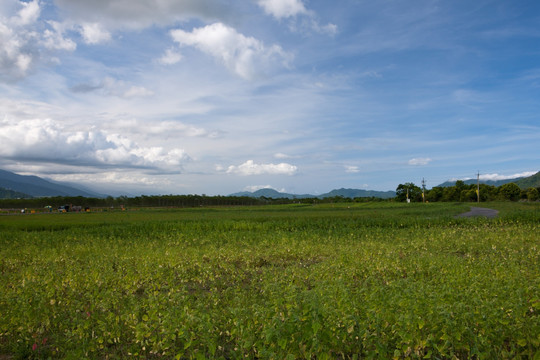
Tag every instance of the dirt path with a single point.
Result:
(477, 211)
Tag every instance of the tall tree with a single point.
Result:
(415, 193)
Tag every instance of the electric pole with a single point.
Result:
(423, 190)
(478, 187)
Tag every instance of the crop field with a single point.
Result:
(334, 281)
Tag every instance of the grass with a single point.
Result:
(370, 280)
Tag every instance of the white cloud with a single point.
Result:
(94, 33)
(15, 54)
(170, 57)
(419, 161)
(330, 29)
(289, 9)
(172, 128)
(25, 41)
(282, 156)
(109, 177)
(504, 177)
(29, 13)
(283, 8)
(44, 140)
(54, 39)
(352, 169)
(250, 168)
(244, 56)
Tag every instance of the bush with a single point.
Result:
(510, 192)
(532, 194)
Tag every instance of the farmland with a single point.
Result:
(367, 280)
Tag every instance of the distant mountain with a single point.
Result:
(38, 187)
(473, 181)
(346, 193)
(271, 193)
(528, 182)
(357, 193)
(11, 194)
(522, 182)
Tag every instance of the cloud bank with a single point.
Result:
(250, 168)
(45, 141)
(495, 177)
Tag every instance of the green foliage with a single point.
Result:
(468, 195)
(533, 194)
(356, 280)
(510, 192)
(413, 191)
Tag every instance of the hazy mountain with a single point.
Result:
(12, 194)
(473, 181)
(271, 193)
(346, 193)
(354, 193)
(522, 182)
(37, 187)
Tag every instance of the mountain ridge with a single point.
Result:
(523, 182)
(346, 193)
(35, 186)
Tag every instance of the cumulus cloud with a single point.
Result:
(45, 140)
(55, 39)
(94, 33)
(16, 37)
(25, 41)
(250, 168)
(419, 161)
(283, 8)
(244, 56)
(170, 57)
(291, 9)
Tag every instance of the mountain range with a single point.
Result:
(22, 186)
(522, 182)
(346, 193)
(25, 186)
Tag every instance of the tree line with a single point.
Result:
(459, 192)
(463, 192)
(165, 201)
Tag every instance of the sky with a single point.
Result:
(302, 96)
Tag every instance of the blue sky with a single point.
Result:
(215, 97)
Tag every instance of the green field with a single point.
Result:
(370, 280)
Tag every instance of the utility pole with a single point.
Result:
(408, 200)
(478, 187)
(423, 190)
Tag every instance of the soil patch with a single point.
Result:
(477, 211)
